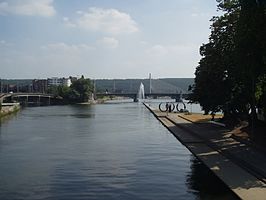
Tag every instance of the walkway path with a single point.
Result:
(240, 166)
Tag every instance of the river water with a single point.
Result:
(108, 151)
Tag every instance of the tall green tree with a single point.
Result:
(249, 50)
(231, 74)
(81, 90)
(213, 75)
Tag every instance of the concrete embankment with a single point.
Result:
(240, 166)
(8, 108)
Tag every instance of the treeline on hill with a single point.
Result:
(79, 91)
(163, 85)
(231, 76)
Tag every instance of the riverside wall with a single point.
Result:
(8, 108)
(240, 166)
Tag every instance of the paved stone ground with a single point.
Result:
(219, 138)
(241, 166)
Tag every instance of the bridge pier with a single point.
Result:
(26, 99)
(136, 98)
(39, 101)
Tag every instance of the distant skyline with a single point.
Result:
(102, 38)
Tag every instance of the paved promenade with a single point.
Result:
(240, 166)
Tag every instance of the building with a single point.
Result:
(66, 81)
(55, 81)
(39, 85)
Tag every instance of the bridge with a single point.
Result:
(29, 98)
(176, 96)
(48, 99)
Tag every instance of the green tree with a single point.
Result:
(81, 90)
(53, 90)
(64, 91)
(213, 75)
(231, 74)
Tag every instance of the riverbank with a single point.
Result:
(9, 108)
(252, 136)
(241, 166)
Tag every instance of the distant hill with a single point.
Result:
(182, 83)
(16, 81)
(164, 85)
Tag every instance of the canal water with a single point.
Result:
(108, 151)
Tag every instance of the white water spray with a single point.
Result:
(141, 94)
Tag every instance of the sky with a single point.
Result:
(102, 38)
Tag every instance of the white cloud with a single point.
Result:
(108, 42)
(109, 21)
(68, 23)
(168, 59)
(157, 50)
(3, 7)
(166, 50)
(197, 12)
(28, 7)
(201, 14)
(79, 12)
(63, 47)
(4, 43)
(143, 43)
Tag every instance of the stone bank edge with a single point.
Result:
(8, 108)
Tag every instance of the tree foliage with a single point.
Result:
(79, 91)
(231, 75)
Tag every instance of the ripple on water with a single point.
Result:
(113, 151)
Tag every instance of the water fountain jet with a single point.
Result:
(141, 94)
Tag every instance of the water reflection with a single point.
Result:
(109, 151)
(7, 118)
(205, 184)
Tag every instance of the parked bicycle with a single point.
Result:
(170, 107)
